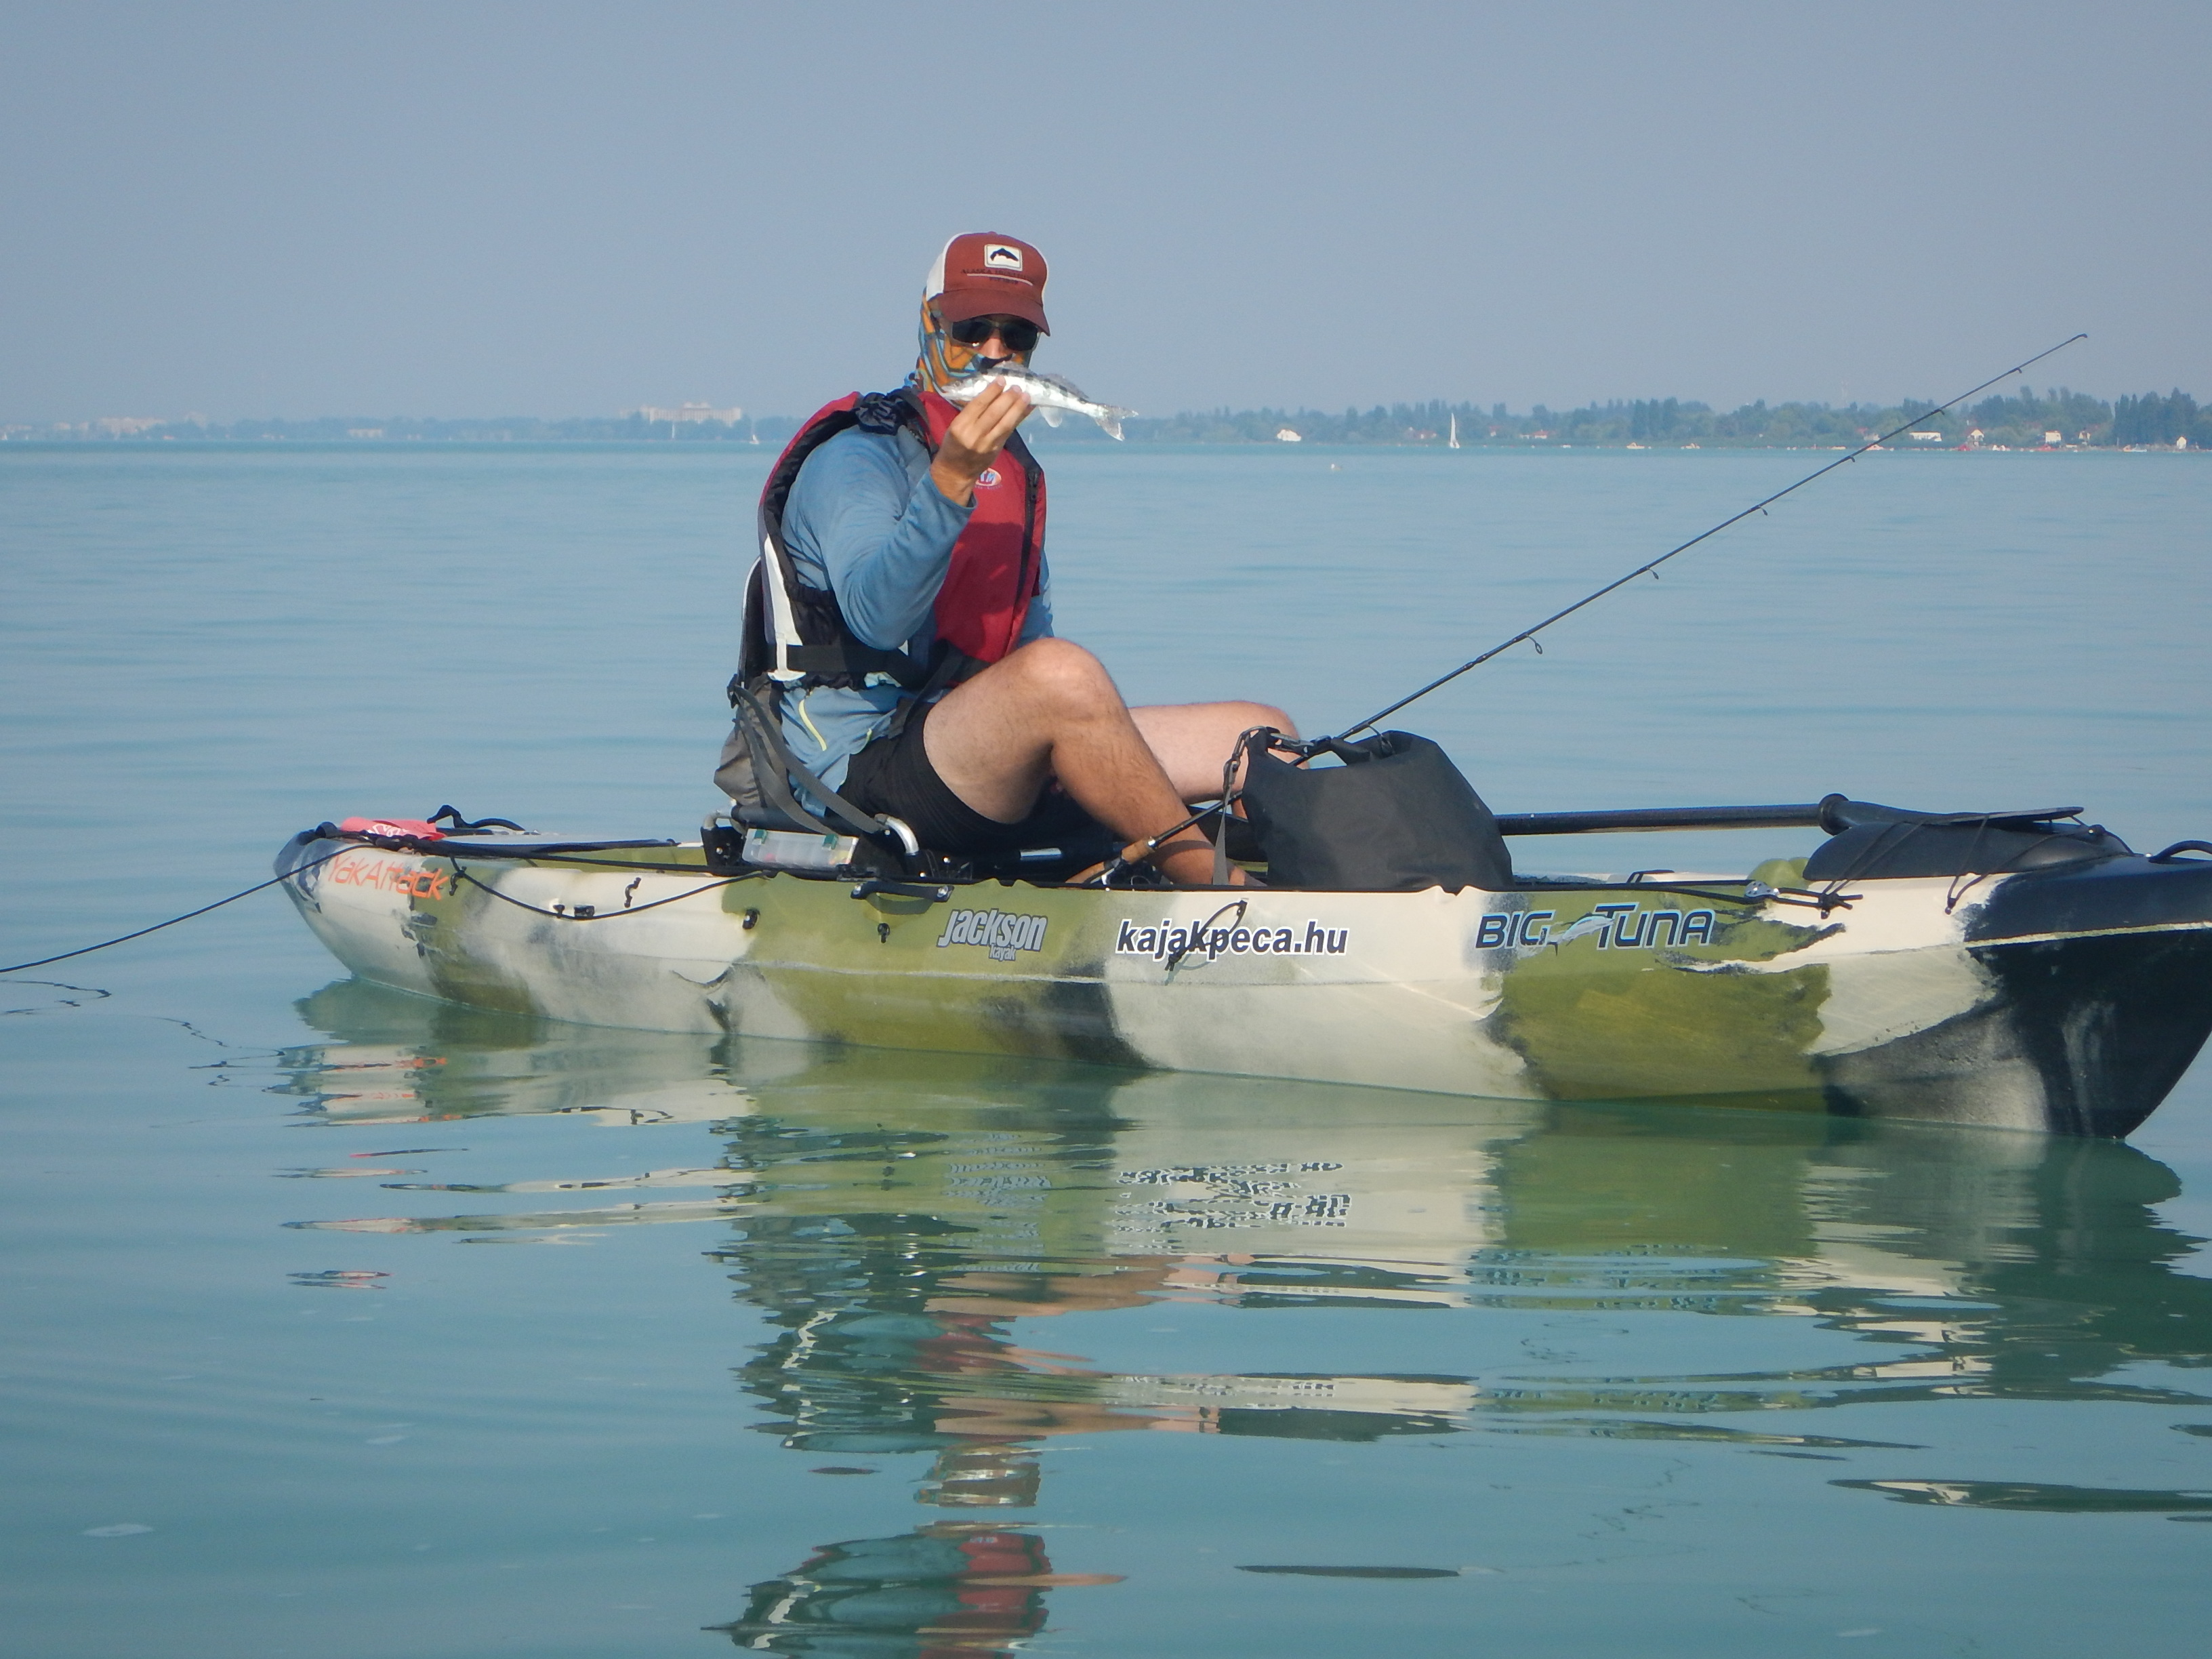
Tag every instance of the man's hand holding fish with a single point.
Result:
(974, 439)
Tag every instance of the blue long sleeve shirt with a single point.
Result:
(865, 520)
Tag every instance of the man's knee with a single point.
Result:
(1246, 715)
(1062, 676)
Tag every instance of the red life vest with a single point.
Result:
(997, 562)
(796, 633)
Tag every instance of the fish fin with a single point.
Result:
(1051, 415)
(1111, 422)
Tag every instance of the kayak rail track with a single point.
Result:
(1803, 816)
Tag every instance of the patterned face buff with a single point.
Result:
(944, 360)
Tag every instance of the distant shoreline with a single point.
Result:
(175, 445)
(2056, 420)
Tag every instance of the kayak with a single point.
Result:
(2018, 970)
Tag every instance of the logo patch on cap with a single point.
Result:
(1001, 256)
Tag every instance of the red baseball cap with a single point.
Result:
(983, 274)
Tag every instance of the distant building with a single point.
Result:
(364, 432)
(2054, 437)
(688, 412)
(124, 426)
(1286, 436)
(1926, 437)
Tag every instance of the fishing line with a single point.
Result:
(261, 886)
(124, 938)
(1651, 567)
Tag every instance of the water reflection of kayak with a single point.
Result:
(924, 1276)
(2016, 971)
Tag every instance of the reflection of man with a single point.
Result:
(952, 1589)
(889, 1297)
(904, 553)
(898, 1369)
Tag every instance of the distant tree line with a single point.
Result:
(2021, 419)
(2151, 419)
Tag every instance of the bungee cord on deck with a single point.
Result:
(591, 912)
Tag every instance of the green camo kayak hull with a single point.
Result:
(2068, 1000)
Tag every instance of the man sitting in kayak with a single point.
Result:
(907, 537)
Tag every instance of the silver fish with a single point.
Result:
(1053, 397)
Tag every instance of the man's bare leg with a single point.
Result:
(1050, 710)
(1193, 741)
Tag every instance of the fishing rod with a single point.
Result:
(1137, 850)
(1528, 635)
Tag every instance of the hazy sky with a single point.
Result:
(458, 209)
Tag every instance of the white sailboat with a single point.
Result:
(1454, 443)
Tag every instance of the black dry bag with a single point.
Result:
(1395, 816)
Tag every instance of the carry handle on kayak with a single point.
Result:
(935, 892)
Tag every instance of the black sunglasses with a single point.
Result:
(1019, 334)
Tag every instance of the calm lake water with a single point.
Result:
(343, 1323)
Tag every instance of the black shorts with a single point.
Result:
(892, 776)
